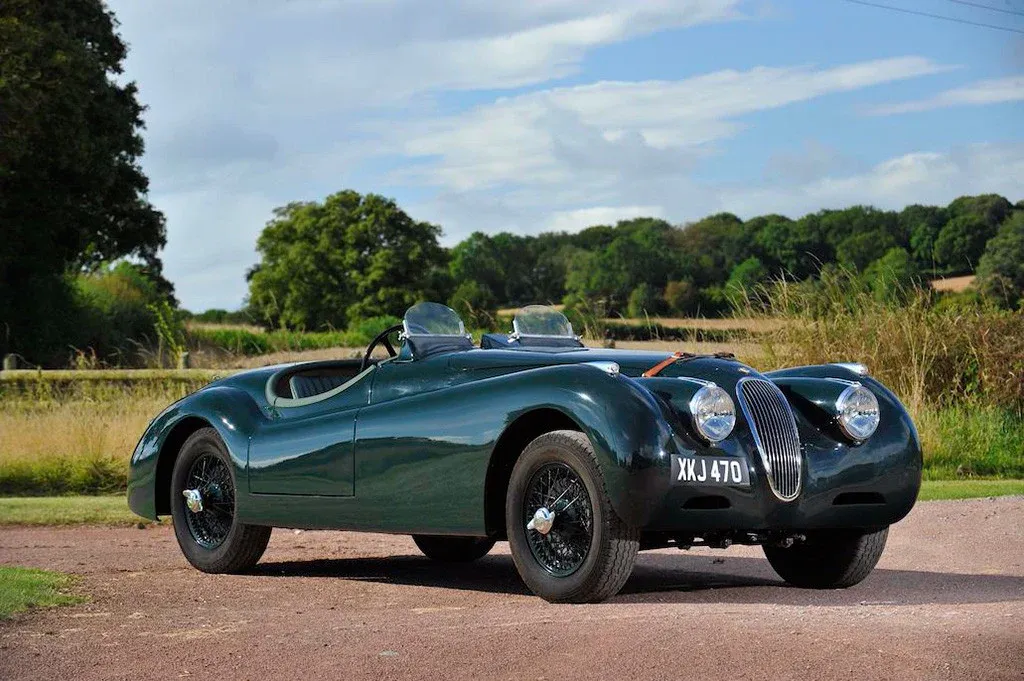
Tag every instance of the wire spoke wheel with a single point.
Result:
(565, 546)
(210, 476)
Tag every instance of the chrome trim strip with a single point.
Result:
(782, 441)
(854, 367)
(610, 368)
(699, 381)
(276, 401)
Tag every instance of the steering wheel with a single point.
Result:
(380, 339)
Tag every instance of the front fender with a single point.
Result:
(230, 411)
(631, 437)
(893, 454)
(422, 461)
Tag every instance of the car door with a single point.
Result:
(306, 447)
(422, 451)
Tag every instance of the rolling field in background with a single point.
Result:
(72, 432)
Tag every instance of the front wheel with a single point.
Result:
(453, 549)
(203, 508)
(566, 540)
(829, 559)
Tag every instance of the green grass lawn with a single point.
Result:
(101, 510)
(113, 510)
(932, 490)
(24, 588)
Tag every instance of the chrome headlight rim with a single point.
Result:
(857, 391)
(714, 426)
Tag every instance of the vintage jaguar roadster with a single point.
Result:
(578, 457)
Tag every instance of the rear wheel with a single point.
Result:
(203, 509)
(829, 559)
(453, 549)
(566, 540)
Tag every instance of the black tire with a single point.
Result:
(238, 547)
(613, 545)
(453, 549)
(829, 559)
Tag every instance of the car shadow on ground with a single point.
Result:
(665, 578)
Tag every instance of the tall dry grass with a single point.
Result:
(756, 324)
(73, 444)
(926, 353)
(959, 371)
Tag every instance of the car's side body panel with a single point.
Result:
(422, 460)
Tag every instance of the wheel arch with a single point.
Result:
(169, 452)
(513, 440)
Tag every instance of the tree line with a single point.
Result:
(328, 264)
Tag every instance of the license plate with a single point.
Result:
(709, 470)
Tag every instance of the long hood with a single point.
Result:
(631, 363)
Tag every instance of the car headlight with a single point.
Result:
(858, 412)
(714, 414)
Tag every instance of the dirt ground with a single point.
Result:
(946, 602)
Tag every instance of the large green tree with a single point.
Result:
(640, 253)
(992, 209)
(922, 224)
(72, 194)
(1001, 268)
(961, 242)
(794, 248)
(349, 258)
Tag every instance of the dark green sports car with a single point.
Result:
(578, 457)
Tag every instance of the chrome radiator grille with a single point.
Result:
(771, 421)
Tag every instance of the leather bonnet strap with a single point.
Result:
(656, 369)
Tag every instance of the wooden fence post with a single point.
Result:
(10, 362)
(184, 361)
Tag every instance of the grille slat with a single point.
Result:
(771, 421)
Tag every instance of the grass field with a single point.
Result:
(751, 324)
(24, 588)
(113, 509)
(80, 444)
(953, 284)
(71, 510)
(936, 490)
(72, 432)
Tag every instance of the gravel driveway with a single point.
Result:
(947, 601)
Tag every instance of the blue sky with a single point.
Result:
(533, 116)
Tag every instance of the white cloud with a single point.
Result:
(812, 160)
(264, 60)
(213, 244)
(605, 130)
(534, 44)
(252, 105)
(928, 177)
(993, 91)
(933, 177)
(575, 220)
